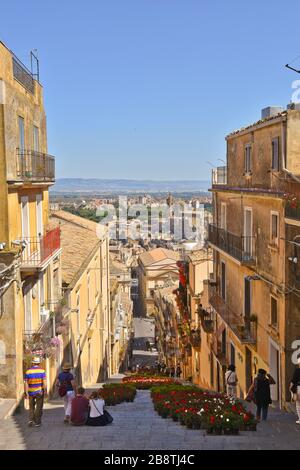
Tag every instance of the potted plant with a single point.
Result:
(231, 423)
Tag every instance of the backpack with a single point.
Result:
(63, 388)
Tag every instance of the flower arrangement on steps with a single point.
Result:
(198, 409)
(146, 382)
(113, 394)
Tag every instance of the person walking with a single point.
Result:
(178, 372)
(231, 381)
(295, 389)
(66, 388)
(262, 393)
(172, 372)
(35, 391)
(79, 408)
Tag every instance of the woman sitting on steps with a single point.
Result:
(98, 416)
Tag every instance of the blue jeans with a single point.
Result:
(262, 410)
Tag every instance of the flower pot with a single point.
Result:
(231, 432)
(217, 432)
(251, 427)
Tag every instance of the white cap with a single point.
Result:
(36, 360)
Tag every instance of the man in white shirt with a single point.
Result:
(231, 381)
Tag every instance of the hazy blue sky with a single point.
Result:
(149, 88)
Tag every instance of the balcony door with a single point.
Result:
(247, 233)
(247, 301)
(39, 215)
(25, 225)
(28, 307)
(21, 147)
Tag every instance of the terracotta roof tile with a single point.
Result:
(158, 254)
(78, 241)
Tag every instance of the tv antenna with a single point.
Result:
(288, 66)
(35, 64)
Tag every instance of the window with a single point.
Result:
(21, 134)
(232, 354)
(274, 228)
(275, 154)
(223, 215)
(248, 159)
(247, 298)
(39, 215)
(36, 139)
(274, 313)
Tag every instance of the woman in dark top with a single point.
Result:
(295, 389)
(67, 389)
(262, 393)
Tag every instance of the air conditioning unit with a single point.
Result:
(44, 314)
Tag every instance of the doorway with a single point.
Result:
(274, 369)
(248, 368)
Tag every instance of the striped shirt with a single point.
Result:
(35, 377)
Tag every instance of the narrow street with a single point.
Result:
(137, 426)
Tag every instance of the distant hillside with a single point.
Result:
(80, 185)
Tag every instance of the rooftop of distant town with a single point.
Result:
(156, 255)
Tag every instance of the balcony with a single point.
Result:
(242, 248)
(35, 166)
(244, 330)
(23, 75)
(195, 338)
(292, 212)
(37, 251)
(219, 176)
(207, 320)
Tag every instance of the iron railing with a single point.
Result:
(292, 212)
(219, 175)
(23, 75)
(35, 166)
(36, 250)
(241, 247)
(241, 326)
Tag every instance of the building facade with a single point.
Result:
(29, 250)
(154, 268)
(85, 323)
(253, 293)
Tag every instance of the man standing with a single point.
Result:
(35, 391)
(231, 381)
(295, 389)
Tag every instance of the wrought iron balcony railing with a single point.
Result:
(35, 166)
(23, 75)
(243, 328)
(292, 212)
(241, 247)
(219, 175)
(37, 250)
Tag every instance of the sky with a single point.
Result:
(148, 89)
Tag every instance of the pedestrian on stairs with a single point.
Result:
(35, 391)
(295, 389)
(66, 389)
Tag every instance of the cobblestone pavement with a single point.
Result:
(137, 426)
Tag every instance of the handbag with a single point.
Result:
(108, 417)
